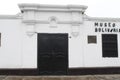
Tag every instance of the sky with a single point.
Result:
(96, 8)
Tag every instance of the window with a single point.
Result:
(92, 39)
(109, 45)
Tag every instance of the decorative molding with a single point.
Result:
(53, 18)
(47, 22)
(17, 16)
(53, 21)
(51, 6)
(102, 19)
(69, 22)
(54, 10)
(9, 17)
(29, 11)
(75, 30)
(61, 8)
(30, 30)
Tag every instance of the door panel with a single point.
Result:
(109, 45)
(52, 54)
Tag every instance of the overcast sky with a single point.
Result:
(96, 8)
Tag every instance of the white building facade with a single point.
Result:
(63, 35)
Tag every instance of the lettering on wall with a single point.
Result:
(106, 27)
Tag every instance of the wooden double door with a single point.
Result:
(52, 54)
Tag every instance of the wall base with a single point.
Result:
(71, 71)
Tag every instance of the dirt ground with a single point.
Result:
(81, 77)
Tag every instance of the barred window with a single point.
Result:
(109, 45)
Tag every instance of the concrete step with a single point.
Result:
(83, 77)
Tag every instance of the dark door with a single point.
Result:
(52, 54)
(109, 45)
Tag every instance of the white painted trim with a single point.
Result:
(47, 22)
(51, 6)
(10, 17)
(102, 19)
(54, 10)
(65, 8)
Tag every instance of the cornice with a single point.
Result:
(102, 19)
(18, 16)
(39, 7)
(47, 22)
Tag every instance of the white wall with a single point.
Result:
(93, 52)
(10, 50)
(19, 50)
(29, 49)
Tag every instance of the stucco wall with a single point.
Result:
(19, 36)
(93, 52)
(11, 42)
